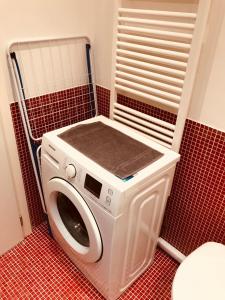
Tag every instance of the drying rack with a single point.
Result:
(155, 60)
(54, 85)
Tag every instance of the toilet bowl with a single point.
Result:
(201, 276)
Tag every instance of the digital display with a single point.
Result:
(93, 186)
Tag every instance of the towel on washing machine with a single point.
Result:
(110, 148)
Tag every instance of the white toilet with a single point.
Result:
(201, 276)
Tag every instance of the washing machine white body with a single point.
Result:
(122, 218)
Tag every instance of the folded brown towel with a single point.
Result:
(113, 150)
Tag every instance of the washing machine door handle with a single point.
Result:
(72, 222)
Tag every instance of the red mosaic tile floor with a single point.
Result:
(38, 269)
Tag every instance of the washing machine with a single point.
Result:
(106, 217)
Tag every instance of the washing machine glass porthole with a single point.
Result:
(72, 220)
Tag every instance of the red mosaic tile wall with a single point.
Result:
(60, 109)
(195, 212)
(196, 208)
(47, 113)
(103, 96)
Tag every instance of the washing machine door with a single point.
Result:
(72, 222)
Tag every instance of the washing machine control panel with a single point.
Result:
(90, 181)
(70, 171)
(94, 187)
(98, 191)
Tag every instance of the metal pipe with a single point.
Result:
(170, 250)
(151, 74)
(144, 116)
(154, 59)
(155, 41)
(147, 96)
(158, 131)
(149, 82)
(157, 22)
(15, 75)
(136, 86)
(143, 129)
(158, 13)
(152, 67)
(155, 32)
(155, 50)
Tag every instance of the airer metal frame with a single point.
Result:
(18, 88)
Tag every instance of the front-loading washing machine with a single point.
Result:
(107, 225)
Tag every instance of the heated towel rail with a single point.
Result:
(155, 60)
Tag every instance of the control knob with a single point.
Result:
(70, 171)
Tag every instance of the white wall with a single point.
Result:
(207, 104)
(11, 232)
(10, 142)
(25, 20)
(102, 41)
